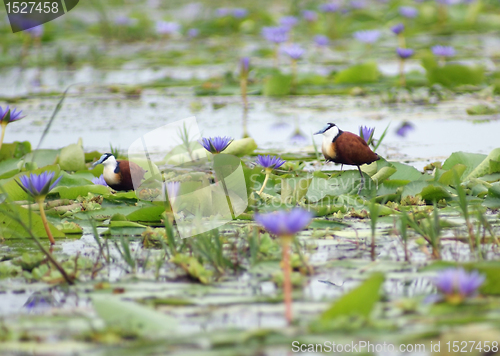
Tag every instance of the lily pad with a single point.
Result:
(72, 158)
(360, 73)
(10, 228)
(150, 214)
(359, 301)
(484, 167)
(277, 84)
(470, 160)
(132, 317)
(80, 191)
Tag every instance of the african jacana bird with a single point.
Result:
(120, 174)
(346, 148)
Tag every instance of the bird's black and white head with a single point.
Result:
(330, 132)
(107, 159)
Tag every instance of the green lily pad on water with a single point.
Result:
(72, 157)
(15, 192)
(80, 191)
(120, 228)
(358, 302)
(360, 73)
(42, 157)
(277, 84)
(149, 214)
(492, 200)
(488, 165)
(9, 168)
(14, 150)
(132, 317)
(10, 228)
(470, 160)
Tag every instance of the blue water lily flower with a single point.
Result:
(443, 51)
(245, 64)
(321, 40)
(408, 12)
(283, 223)
(167, 28)
(397, 29)
(215, 144)
(366, 133)
(193, 32)
(294, 51)
(275, 34)
(404, 129)
(368, 36)
(309, 16)
(9, 115)
(329, 7)
(240, 12)
(288, 21)
(268, 161)
(38, 185)
(99, 181)
(404, 53)
(455, 284)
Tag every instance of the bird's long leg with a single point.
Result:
(362, 181)
(341, 169)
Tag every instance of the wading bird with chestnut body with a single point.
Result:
(120, 174)
(346, 148)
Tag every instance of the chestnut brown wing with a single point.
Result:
(130, 173)
(353, 150)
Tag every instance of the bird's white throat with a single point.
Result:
(109, 171)
(330, 134)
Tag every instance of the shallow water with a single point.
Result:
(104, 120)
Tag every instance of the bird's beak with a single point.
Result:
(95, 164)
(322, 130)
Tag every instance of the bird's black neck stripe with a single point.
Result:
(117, 168)
(336, 137)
